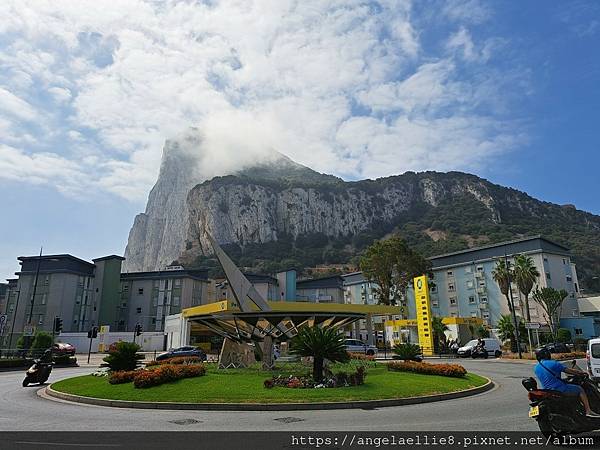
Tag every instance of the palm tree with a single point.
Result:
(439, 337)
(525, 274)
(502, 275)
(321, 343)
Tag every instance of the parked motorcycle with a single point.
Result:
(39, 372)
(558, 414)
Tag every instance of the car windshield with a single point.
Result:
(471, 343)
(596, 350)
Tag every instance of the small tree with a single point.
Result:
(563, 335)
(550, 300)
(439, 336)
(525, 274)
(483, 332)
(392, 265)
(41, 342)
(123, 356)
(321, 343)
(506, 330)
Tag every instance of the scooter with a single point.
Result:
(558, 414)
(39, 372)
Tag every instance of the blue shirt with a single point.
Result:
(550, 380)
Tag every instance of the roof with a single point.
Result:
(196, 274)
(104, 258)
(589, 304)
(335, 281)
(354, 278)
(62, 263)
(260, 278)
(524, 245)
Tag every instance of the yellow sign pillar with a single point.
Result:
(423, 315)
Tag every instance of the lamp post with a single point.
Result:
(14, 318)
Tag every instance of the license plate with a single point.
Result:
(534, 411)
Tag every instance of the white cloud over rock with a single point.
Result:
(89, 90)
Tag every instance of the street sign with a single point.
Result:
(28, 330)
(532, 325)
(3, 319)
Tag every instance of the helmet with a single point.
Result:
(542, 353)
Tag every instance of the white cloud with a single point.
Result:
(254, 76)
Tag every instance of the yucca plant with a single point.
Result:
(321, 343)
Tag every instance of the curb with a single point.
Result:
(366, 404)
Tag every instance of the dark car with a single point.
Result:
(557, 347)
(62, 348)
(182, 351)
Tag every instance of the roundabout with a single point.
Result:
(242, 390)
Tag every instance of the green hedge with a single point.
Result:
(15, 362)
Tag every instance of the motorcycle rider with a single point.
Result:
(549, 372)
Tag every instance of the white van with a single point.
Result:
(593, 358)
(491, 345)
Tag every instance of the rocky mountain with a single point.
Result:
(278, 214)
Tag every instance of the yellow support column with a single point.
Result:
(423, 315)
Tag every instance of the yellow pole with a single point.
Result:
(423, 315)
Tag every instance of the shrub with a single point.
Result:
(166, 374)
(42, 341)
(361, 356)
(340, 379)
(406, 351)
(122, 376)
(15, 362)
(123, 356)
(446, 370)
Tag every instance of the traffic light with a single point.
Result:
(58, 325)
(93, 333)
(138, 329)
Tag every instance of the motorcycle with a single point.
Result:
(479, 352)
(39, 372)
(558, 414)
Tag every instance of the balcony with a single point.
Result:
(479, 274)
(481, 290)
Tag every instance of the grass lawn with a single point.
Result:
(246, 386)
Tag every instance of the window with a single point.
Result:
(470, 284)
(548, 276)
(176, 300)
(44, 299)
(483, 300)
(138, 310)
(125, 288)
(435, 303)
(433, 289)
(452, 301)
(485, 315)
(166, 284)
(545, 259)
(471, 299)
(451, 287)
(479, 268)
(579, 331)
(564, 261)
(450, 273)
(177, 282)
(569, 278)
(141, 291)
(40, 319)
(46, 280)
(473, 314)
(468, 269)
(153, 320)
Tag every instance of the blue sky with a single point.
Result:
(89, 92)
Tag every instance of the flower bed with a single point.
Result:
(341, 379)
(446, 370)
(163, 374)
(361, 356)
(176, 360)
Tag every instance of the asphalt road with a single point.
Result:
(502, 409)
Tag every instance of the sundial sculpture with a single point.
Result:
(253, 320)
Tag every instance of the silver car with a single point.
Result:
(356, 346)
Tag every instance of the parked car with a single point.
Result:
(593, 358)
(188, 350)
(491, 345)
(558, 347)
(357, 346)
(63, 348)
